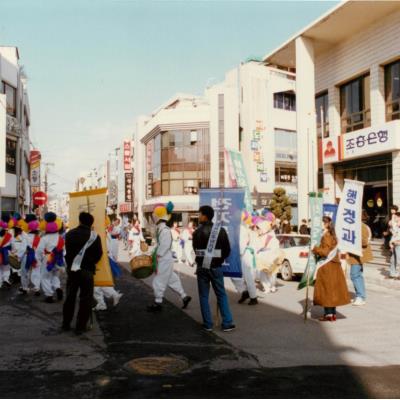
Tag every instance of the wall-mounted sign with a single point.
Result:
(331, 149)
(260, 167)
(264, 177)
(127, 156)
(257, 156)
(34, 160)
(254, 145)
(128, 187)
(125, 207)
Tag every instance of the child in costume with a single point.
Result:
(32, 260)
(51, 251)
(165, 275)
(6, 240)
(187, 237)
(246, 285)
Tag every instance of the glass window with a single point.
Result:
(11, 99)
(392, 91)
(321, 109)
(284, 174)
(165, 140)
(355, 104)
(11, 156)
(176, 187)
(285, 101)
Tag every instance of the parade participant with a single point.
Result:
(246, 285)
(51, 250)
(135, 237)
(115, 234)
(109, 292)
(357, 263)
(213, 274)
(18, 247)
(83, 252)
(176, 242)
(187, 237)
(6, 240)
(32, 259)
(330, 289)
(165, 275)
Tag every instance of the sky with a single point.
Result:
(93, 66)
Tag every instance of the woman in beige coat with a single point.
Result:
(330, 286)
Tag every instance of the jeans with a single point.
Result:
(329, 310)
(216, 278)
(357, 278)
(394, 259)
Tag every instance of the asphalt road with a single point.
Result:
(40, 361)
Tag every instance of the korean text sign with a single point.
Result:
(348, 218)
(228, 206)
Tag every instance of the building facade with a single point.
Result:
(15, 191)
(347, 75)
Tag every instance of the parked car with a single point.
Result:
(296, 248)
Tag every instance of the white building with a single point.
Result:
(348, 62)
(15, 193)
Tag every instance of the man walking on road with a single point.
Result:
(83, 252)
(213, 274)
(356, 263)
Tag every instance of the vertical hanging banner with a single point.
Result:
(34, 161)
(127, 156)
(238, 176)
(316, 234)
(348, 220)
(228, 206)
(94, 202)
(128, 187)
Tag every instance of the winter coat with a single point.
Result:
(330, 286)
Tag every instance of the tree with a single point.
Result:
(280, 204)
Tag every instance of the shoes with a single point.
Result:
(228, 328)
(186, 300)
(245, 295)
(37, 293)
(328, 317)
(49, 299)
(22, 291)
(207, 328)
(155, 307)
(260, 286)
(6, 285)
(65, 327)
(273, 289)
(117, 298)
(358, 302)
(60, 294)
(100, 307)
(253, 302)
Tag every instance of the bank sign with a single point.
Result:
(361, 143)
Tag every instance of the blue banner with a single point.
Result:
(330, 210)
(228, 205)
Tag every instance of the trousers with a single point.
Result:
(166, 277)
(50, 280)
(83, 281)
(5, 272)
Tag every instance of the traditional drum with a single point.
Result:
(14, 261)
(142, 266)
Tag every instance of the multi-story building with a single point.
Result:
(15, 193)
(348, 92)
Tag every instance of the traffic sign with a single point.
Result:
(39, 198)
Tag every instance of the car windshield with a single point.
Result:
(293, 241)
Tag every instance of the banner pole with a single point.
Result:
(308, 274)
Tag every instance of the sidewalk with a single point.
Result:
(377, 275)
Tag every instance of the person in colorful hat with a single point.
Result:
(19, 244)
(187, 237)
(33, 258)
(6, 240)
(52, 253)
(165, 275)
(246, 285)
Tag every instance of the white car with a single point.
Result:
(296, 248)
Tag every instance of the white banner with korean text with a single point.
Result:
(348, 218)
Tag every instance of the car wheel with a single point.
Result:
(286, 271)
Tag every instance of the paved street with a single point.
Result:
(271, 354)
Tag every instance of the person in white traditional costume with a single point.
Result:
(176, 242)
(187, 237)
(135, 237)
(165, 275)
(6, 240)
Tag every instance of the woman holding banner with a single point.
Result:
(330, 286)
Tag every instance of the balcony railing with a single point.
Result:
(13, 126)
(393, 110)
(355, 121)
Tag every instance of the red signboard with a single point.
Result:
(125, 207)
(35, 156)
(127, 155)
(39, 198)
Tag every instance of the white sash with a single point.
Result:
(76, 264)
(321, 263)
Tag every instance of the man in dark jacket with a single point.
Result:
(213, 273)
(83, 252)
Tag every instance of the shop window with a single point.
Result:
(321, 109)
(355, 104)
(285, 174)
(392, 91)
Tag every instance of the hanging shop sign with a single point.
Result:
(128, 187)
(127, 155)
(34, 160)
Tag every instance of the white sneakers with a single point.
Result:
(117, 298)
(358, 302)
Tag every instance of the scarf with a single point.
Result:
(31, 254)
(56, 256)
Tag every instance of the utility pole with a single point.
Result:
(46, 182)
